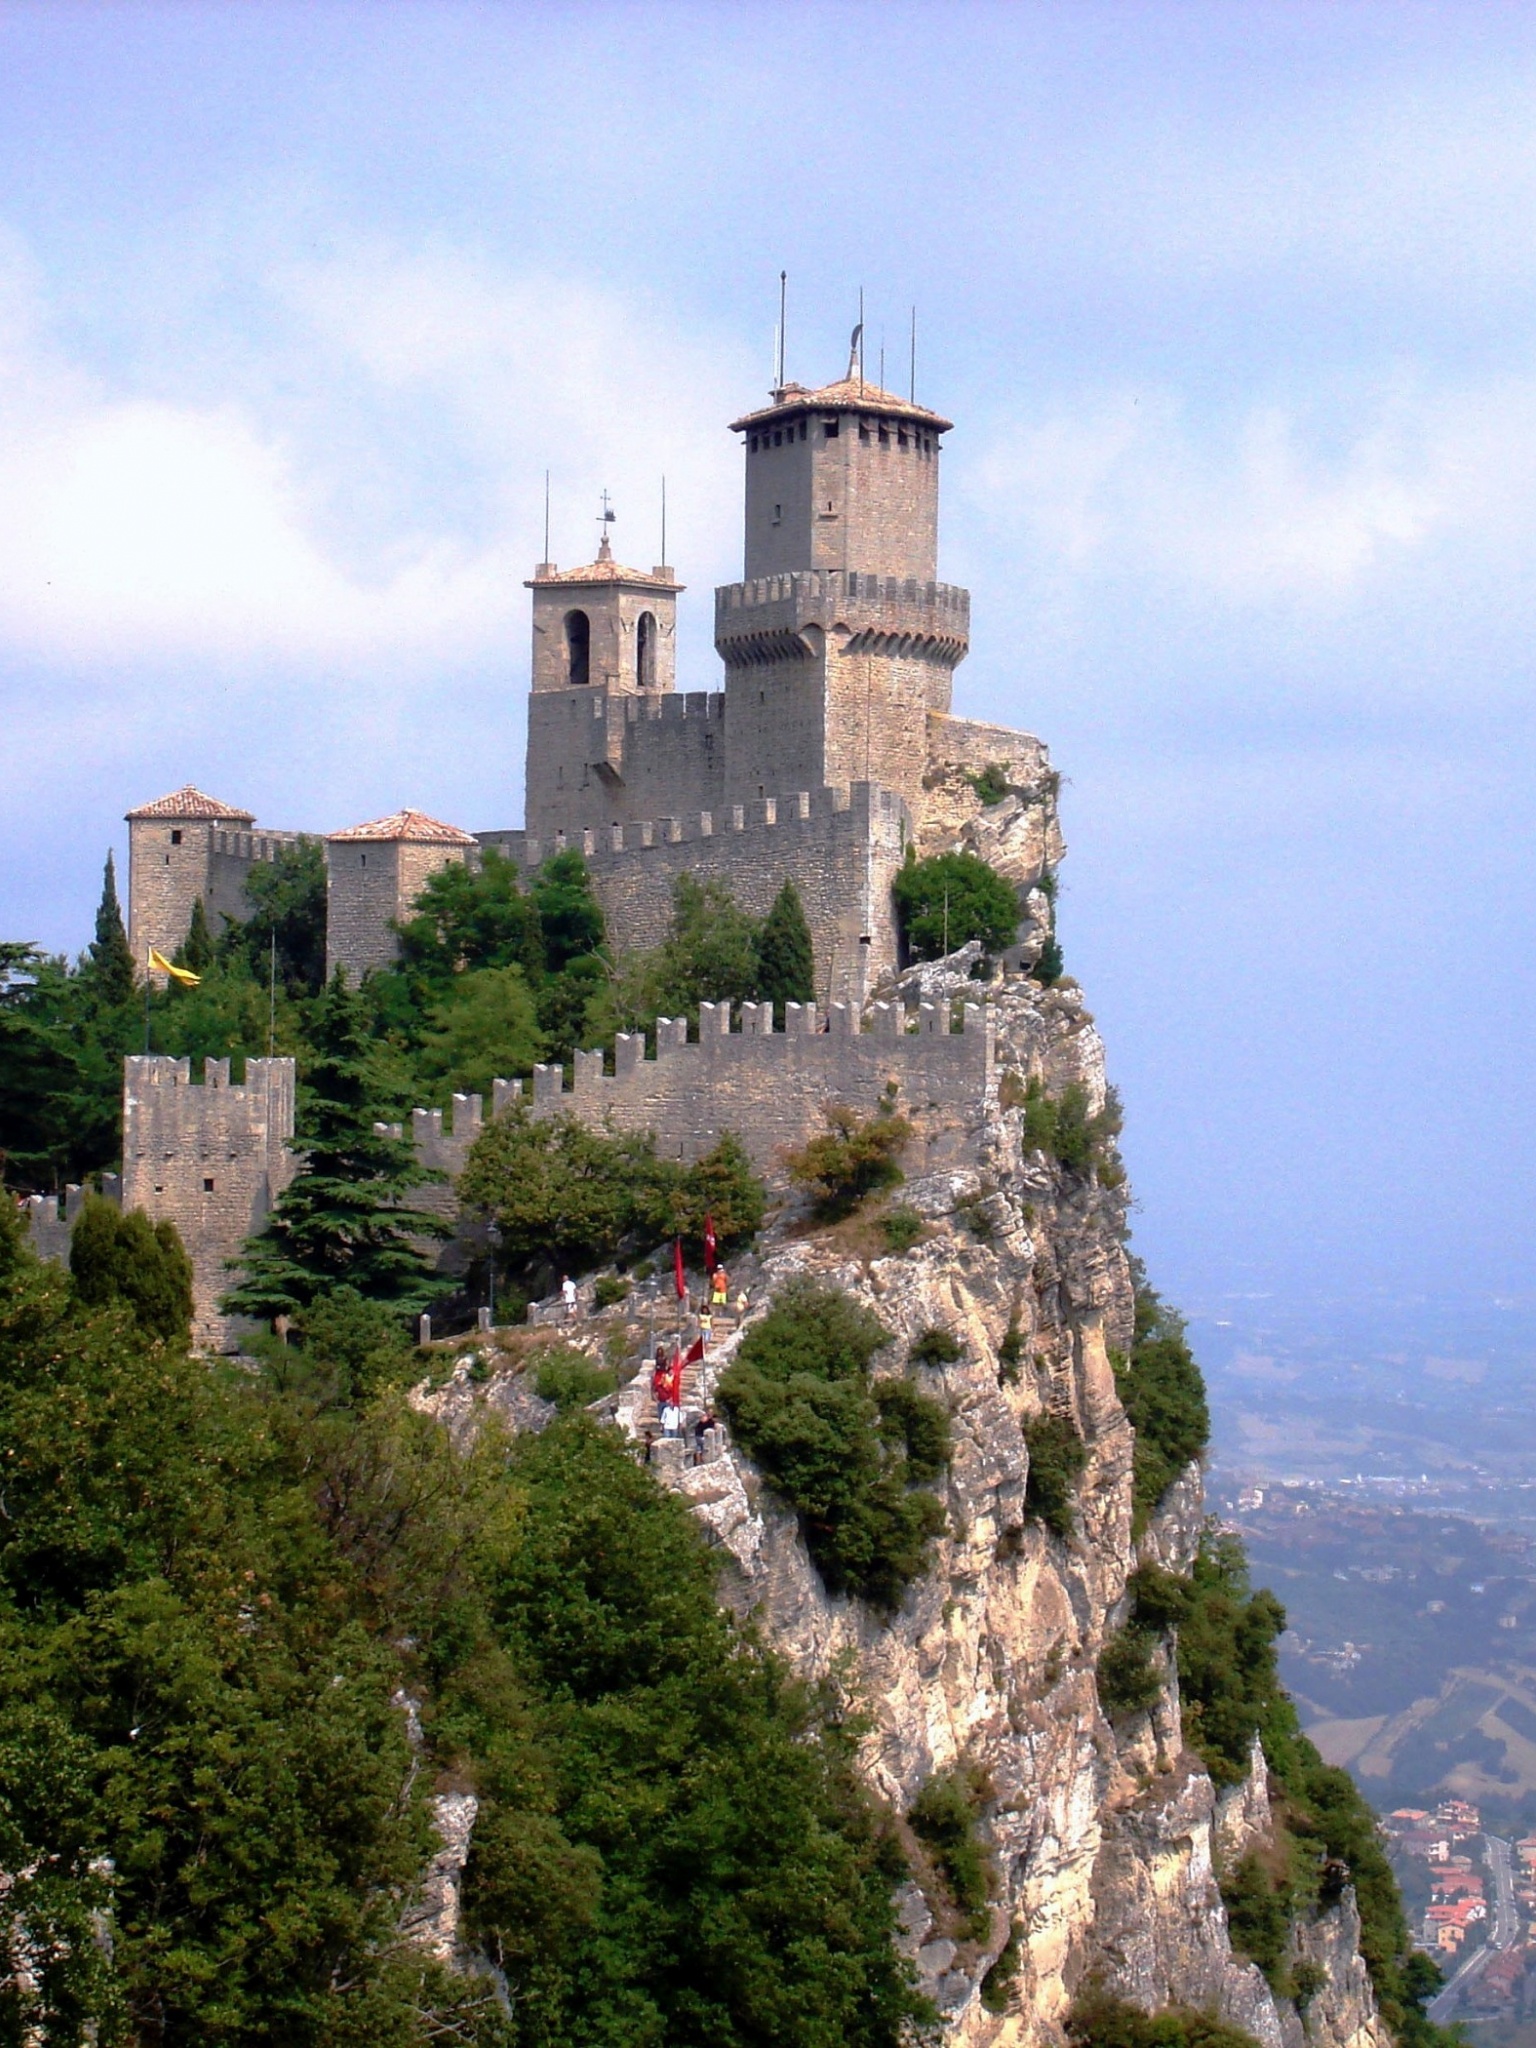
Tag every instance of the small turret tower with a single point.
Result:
(604, 627)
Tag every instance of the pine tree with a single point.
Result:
(786, 965)
(197, 948)
(344, 1219)
(118, 1256)
(111, 961)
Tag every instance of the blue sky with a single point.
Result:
(1233, 306)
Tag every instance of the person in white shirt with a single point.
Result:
(568, 1296)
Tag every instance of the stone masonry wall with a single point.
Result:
(603, 757)
(840, 849)
(212, 1159)
(51, 1224)
(767, 1087)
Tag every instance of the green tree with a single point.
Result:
(196, 949)
(42, 1079)
(708, 956)
(112, 965)
(345, 1218)
(472, 918)
(844, 1451)
(944, 902)
(565, 1196)
(853, 1157)
(118, 1256)
(488, 1026)
(786, 966)
(1163, 1393)
(287, 898)
(570, 916)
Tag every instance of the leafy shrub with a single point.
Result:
(944, 902)
(991, 783)
(569, 1378)
(1065, 1129)
(1057, 1455)
(610, 1290)
(355, 1346)
(944, 1816)
(1259, 1907)
(997, 1986)
(936, 1347)
(120, 1256)
(1049, 965)
(902, 1227)
(1163, 1394)
(853, 1157)
(1010, 1353)
(1099, 2022)
(844, 1451)
(1128, 1682)
(566, 1197)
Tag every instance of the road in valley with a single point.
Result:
(1502, 1933)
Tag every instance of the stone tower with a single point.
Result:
(604, 656)
(171, 847)
(840, 641)
(373, 874)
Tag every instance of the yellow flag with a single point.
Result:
(184, 975)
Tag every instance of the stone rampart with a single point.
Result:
(212, 1159)
(768, 1087)
(841, 848)
(51, 1222)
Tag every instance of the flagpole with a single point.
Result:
(272, 1000)
(146, 1002)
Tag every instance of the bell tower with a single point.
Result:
(604, 627)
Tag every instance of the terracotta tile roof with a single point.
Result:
(849, 394)
(188, 802)
(604, 570)
(414, 826)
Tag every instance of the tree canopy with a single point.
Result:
(944, 902)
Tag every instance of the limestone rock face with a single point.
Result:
(1106, 1840)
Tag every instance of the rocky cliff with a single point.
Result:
(1106, 1838)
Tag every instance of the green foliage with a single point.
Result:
(1163, 1394)
(944, 1816)
(1259, 1908)
(567, 1198)
(936, 1347)
(118, 1257)
(50, 1125)
(843, 1450)
(1127, 1678)
(1001, 1979)
(853, 1157)
(902, 1227)
(1049, 965)
(196, 949)
(944, 902)
(205, 1631)
(1099, 2022)
(786, 966)
(1010, 1353)
(1057, 1456)
(710, 954)
(112, 965)
(287, 898)
(1066, 1129)
(610, 1290)
(344, 1219)
(489, 1028)
(353, 1347)
(991, 783)
(467, 920)
(570, 916)
(569, 1378)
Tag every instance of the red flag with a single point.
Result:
(694, 1352)
(709, 1244)
(675, 1380)
(677, 1268)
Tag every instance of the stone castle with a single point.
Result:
(831, 749)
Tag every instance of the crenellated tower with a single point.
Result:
(840, 641)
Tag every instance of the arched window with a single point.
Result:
(578, 649)
(645, 651)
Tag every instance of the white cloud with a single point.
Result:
(298, 508)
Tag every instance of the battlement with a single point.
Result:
(762, 620)
(859, 804)
(252, 846)
(50, 1222)
(768, 1087)
(212, 1158)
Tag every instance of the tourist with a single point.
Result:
(569, 1297)
(720, 1288)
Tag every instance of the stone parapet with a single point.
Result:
(50, 1221)
(767, 1087)
(765, 620)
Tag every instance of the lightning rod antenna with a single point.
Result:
(912, 387)
(783, 300)
(546, 518)
(861, 337)
(663, 522)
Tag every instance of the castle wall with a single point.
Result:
(841, 848)
(877, 706)
(769, 1088)
(973, 744)
(211, 1159)
(777, 725)
(370, 884)
(615, 757)
(51, 1223)
(231, 857)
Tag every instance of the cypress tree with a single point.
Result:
(111, 962)
(197, 949)
(786, 965)
(344, 1219)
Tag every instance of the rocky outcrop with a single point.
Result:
(1106, 1839)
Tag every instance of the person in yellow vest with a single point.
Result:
(720, 1288)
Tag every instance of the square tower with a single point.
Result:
(373, 874)
(604, 627)
(171, 846)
